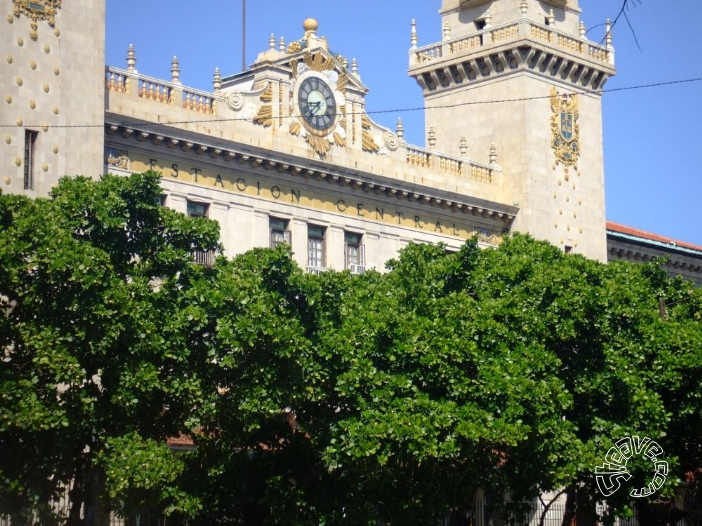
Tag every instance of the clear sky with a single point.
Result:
(652, 150)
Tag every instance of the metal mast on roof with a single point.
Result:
(243, 35)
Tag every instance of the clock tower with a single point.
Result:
(522, 74)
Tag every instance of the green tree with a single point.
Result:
(96, 369)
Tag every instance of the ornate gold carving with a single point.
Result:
(295, 128)
(8, 99)
(565, 129)
(10, 59)
(117, 158)
(367, 142)
(8, 139)
(33, 64)
(36, 11)
(7, 179)
(342, 82)
(319, 62)
(264, 117)
(294, 47)
(321, 145)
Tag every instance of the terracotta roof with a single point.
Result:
(623, 229)
(181, 441)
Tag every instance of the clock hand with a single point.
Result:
(313, 107)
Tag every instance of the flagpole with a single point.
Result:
(243, 36)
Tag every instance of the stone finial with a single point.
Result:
(464, 146)
(488, 19)
(217, 81)
(447, 31)
(413, 36)
(524, 7)
(493, 154)
(354, 67)
(281, 46)
(400, 131)
(131, 58)
(432, 138)
(551, 18)
(271, 42)
(608, 34)
(175, 71)
(582, 29)
(345, 62)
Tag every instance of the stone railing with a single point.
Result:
(451, 165)
(198, 101)
(512, 31)
(162, 91)
(428, 53)
(116, 80)
(154, 89)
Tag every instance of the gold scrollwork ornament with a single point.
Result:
(36, 11)
(565, 130)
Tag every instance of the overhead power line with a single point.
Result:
(378, 112)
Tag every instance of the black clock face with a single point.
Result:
(317, 104)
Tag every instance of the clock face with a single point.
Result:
(317, 104)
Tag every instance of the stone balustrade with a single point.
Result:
(451, 165)
(199, 101)
(153, 89)
(509, 32)
(157, 90)
(116, 81)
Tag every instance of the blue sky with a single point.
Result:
(653, 159)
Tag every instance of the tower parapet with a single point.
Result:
(523, 74)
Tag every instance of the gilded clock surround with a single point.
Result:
(37, 11)
(325, 68)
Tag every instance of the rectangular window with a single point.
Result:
(30, 142)
(315, 248)
(279, 231)
(355, 252)
(197, 209)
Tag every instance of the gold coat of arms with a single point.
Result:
(37, 10)
(565, 129)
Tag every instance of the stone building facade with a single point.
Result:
(285, 151)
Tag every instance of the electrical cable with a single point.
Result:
(378, 112)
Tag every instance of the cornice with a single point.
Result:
(526, 55)
(316, 172)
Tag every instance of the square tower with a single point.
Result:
(52, 86)
(522, 74)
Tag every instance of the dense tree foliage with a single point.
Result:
(333, 399)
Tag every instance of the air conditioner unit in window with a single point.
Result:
(316, 270)
(357, 269)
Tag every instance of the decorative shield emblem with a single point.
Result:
(567, 127)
